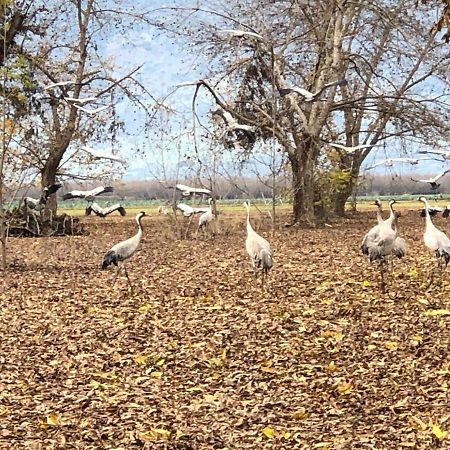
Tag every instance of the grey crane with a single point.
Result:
(308, 96)
(121, 252)
(99, 154)
(436, 240)
(88, 195)
(373, 234)
(433, 180)
(434, 210)
(258, 249)
(189, 211)
(187, 191)
(351, 149)
(242, 33)
(383, 241)
(391, 161)
(377, 203)
(39, 204)
(231, 122)
(445, 154)
(103, 212)
(206, 218)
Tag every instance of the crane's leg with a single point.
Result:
(189, 224)
(128, 278)
(263, 278)
(255, 272)
(382, 273)
(117, 274)
(436, 269)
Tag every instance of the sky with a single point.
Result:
(166, 64)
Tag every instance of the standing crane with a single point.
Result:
(383, 241)
(258, 249)
(437, 241)
(373, 234)
(206, 218)
(121, 252)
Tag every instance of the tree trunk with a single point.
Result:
(303, 186)
(339, 200)
(48, 176)
(340, 197)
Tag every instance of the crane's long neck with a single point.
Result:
(379, 216)
(139, 231)
(428, 222)
(391, 217)
(249, 227)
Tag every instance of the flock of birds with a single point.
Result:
(38, 204)
(380, 243)
(258, 248)
(383, 241)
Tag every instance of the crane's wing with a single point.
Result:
(60, 83)
(242, 33)
(239, 126)
(190, 190)
(92, 111)
(74, 194)
(102, 155)
(439, 175)
(112, 208)
(185, 209)
(436, 152)
(351, 149)
(52, 189)
(385, 162)
(189, 83)
(100, 190)
(201, 210)
(328, 86)
(80, 100)
(342, 82)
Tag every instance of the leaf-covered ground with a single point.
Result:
(199, 357)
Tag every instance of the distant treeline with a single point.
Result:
(237, 188)
(248, 187)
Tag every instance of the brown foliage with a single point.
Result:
(200, 358)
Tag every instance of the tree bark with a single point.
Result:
(339, 200)
(340, 197)
(302, 165)
(48, 176)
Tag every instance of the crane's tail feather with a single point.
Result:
(445, 255)
(446, 212)
(109, 258)
(266, 260)
(374, 253)
(399, 249)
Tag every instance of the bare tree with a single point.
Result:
(72, 90)
(357, 75)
